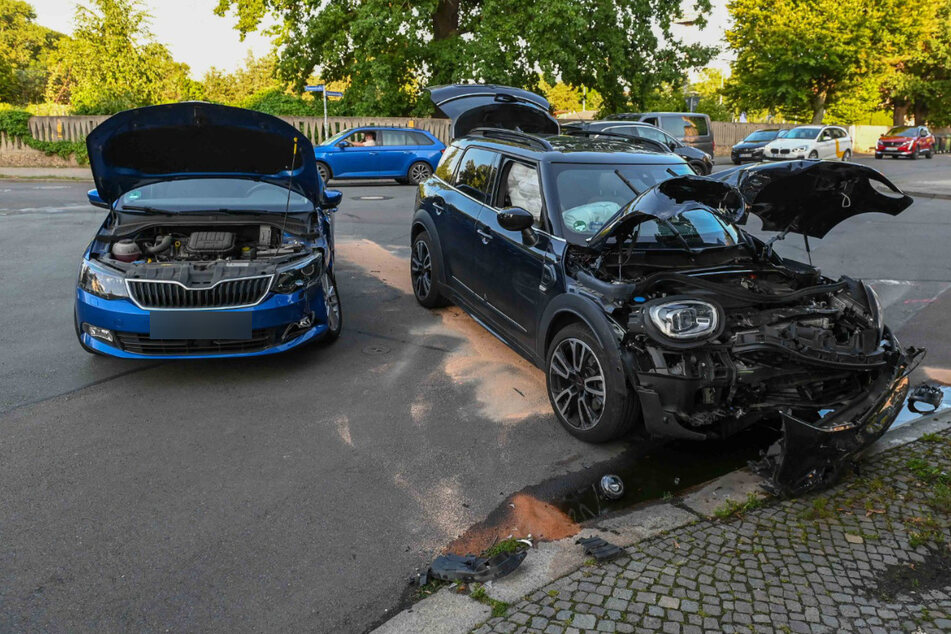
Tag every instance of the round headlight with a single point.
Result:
(685, 319)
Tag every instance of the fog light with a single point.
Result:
(306, 322)
(98, 333)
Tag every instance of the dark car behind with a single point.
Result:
(751, 148)
(700, 161)
(693, 128)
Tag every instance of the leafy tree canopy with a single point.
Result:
(803, 58)
(390, 50)
(24, 49)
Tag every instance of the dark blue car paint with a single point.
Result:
(378, 161)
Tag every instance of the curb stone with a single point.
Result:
(550, 561)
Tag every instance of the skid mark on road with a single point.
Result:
(507, 387)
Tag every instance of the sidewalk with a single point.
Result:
(53, 173)
(870, 555)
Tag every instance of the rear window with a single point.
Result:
(475, 173)
(681, 126)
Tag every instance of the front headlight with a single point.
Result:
(96, 279)
(301, 275)
(801, 148)
(685, 319)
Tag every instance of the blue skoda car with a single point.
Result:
(218, 241)
(409, 155)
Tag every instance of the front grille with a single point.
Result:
(138, 343)
(226, 294)
(784, 151)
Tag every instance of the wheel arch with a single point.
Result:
(422, 221)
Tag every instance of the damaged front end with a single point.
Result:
(718, 332)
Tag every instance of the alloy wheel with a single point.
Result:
(332, 302)
(419, 172)
(577, 384)
(324, 172)
(421, 269)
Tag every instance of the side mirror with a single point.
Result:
(331, 199)
(343, 145)
(95, 200)
(518, 219)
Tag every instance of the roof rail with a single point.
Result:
(627, 138)
(512, 135)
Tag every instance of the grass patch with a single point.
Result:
(927, 472)
(820, 509)
(732, 508)
(499, 608)
(505, 546)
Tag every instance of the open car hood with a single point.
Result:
(473, 106)
(199, 140)
(811, 197)
(807, 197)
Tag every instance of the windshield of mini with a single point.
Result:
(694, 229)
(213, 194)
(902, 131)
(761, 135)
(803, 133)
(591, 194)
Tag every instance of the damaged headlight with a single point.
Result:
(685, 319)
(100, 281)
(301, 275)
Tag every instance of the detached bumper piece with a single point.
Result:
(599, 549)
(471, 568)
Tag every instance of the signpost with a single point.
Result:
(322, 88)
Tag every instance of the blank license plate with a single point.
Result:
(201, 324)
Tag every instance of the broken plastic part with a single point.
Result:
(926, 394)
(599, 549)
(472, 568)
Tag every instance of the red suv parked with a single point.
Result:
(904, 140)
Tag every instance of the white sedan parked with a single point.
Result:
(811, 141)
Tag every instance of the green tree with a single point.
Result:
(564, 97)
(709, 87)
(389, 50)
(804, 58)
(112, 62)
(24, 50)
(259, 74)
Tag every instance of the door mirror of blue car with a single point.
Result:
(518, 219)
(343, 145)
(95, 200)
(332, 199)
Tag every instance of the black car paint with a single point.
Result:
(697, 158)
(754, 148)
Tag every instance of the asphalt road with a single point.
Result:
(300, 491)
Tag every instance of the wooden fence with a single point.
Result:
(75, 128)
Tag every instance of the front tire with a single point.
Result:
(588, 393)
(333, 308)
(418, 172)
(424, 271)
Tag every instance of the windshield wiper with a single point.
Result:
(627, 182)
(145, 208)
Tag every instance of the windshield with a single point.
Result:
(336, 137)
(902, 131)
(213, 194)
(590, 194)
(696, 229)
(803, 133)
(761, 135)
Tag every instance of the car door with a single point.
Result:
(395, 153)
(356, 160)
(464, 202)
(825, 144)
(517, 272)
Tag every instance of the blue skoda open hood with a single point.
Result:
(199, 140)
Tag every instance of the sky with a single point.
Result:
(199, 38)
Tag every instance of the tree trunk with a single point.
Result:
(921, 112)
(818, 103)
(899, 113)
(446, 19)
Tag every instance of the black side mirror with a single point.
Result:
(343, 144)
(331, 199)
(518, 219)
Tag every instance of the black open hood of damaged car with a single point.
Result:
(199, 140)
(812, 197)
(472, 106)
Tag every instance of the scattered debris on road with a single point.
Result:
(599, 549)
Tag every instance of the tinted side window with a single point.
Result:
(474, 176)
(680, 126)
(420, 139)
(397, 137)
(447, 165)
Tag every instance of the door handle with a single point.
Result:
(486, 236)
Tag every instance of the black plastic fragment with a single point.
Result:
(926, 394)
(471, 568)
(599, 549)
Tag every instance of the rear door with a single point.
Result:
(472, 183)
(826, 144)
(396, 152)
(926, 140)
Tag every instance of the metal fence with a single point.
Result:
(75, 128)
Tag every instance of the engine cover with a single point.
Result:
(210, 243)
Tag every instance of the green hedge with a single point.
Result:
(16, 124)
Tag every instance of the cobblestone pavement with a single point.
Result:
(870, 555)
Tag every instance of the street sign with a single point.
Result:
(322, 88)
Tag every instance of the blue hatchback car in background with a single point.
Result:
(409, 155)
(218, 241)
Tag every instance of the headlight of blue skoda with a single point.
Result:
(100, 281)
(685, 319)
(301, 275)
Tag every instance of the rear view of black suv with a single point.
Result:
(626, 279)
